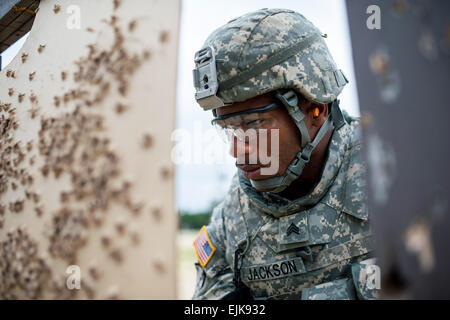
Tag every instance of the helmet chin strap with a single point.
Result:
(295, 169)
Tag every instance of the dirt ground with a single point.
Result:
(186, 274)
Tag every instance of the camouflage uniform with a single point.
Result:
(314, 247)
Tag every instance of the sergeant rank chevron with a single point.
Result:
(292, 228)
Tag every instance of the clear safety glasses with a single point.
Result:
(243, 124)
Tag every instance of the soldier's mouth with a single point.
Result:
(250, 171)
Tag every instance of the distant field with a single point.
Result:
(186, 274)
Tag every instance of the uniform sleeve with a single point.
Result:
(366, 278)
(215, 279)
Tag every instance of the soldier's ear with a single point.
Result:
(318, 111)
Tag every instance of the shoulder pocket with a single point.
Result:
(366, 277)
(341, 289)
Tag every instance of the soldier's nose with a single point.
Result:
(239, 148)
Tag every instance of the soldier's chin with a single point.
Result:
(264, 177)
(264, 189)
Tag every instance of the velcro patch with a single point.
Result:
(203, 247)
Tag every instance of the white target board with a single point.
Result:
(86, 180)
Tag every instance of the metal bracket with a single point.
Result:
(205, 79)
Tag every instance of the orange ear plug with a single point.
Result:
(316, 112)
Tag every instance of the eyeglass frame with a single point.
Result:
(244, 112)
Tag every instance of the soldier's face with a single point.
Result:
(277, 123)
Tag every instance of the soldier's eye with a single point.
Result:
(254, 122)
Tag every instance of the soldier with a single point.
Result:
(296, 227)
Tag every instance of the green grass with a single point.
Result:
(186, 273)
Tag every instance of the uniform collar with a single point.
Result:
(277, 206)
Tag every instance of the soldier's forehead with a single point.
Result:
(253, 103)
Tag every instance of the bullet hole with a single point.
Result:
(44, 171)
(164, 36)
(24, 57)
(116, 255)
(132, 25)
(10, 73)
(64, 196)
(156, 213)
(105, 241)
(23, 273)
(33, 99)
(379, 63)
(120, 108)
(428, 45)
(41, 48)
(39, 211)
(29, 145)
(113, 22)
(94, 273)
(16, 206)
(34, 111)
(56, 8)
(56, 101)
(164, 172)
(63, 75)
(66, 97)
(20, 97)
(123, 88)
(10, 92)
(90, 30)
(147, 141)
(120, 228)
(159, 266)
(147, 54)
(36, 197)
(136, 208)
(135, 238)
(13, 186)
(418, 241)
(387, 77)
(31, 76)
(116, 4)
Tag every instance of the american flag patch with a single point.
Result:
(203, 247)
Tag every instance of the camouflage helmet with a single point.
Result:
(263, 51)
(271, 50)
